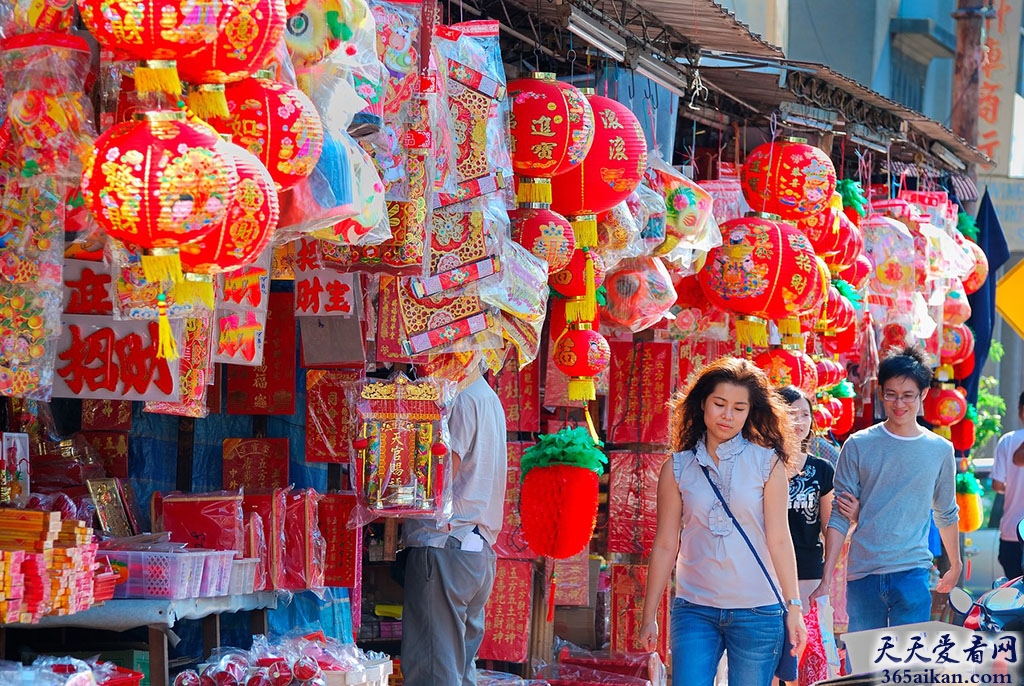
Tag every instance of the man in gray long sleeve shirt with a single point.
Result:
(900, 474)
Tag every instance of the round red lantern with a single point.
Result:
(611, 170)
(249, 225)
(839, 313)
(834, 407)
(841, 342)
(546, 234)
(764, 269)
(577, 283)
(956, 309)
(963, 434)
(822, 419)
(581, 353)
(857, 274)
(976, 279)
(159, 182)
(786, 367)
(851, 246)
(944, 405)
(558, 323)
(278, 124)
(963, 370)
(822, 228)
(830, 373)
(842, 423)
(957, 344)
(788, 178)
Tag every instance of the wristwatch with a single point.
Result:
(795, 602)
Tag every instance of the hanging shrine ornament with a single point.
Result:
(789, 178)
(552, 128)
(156, 33)
(764, 270)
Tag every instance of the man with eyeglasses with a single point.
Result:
(1008, 478)
(901, 475)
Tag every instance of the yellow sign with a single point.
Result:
(1009, 302)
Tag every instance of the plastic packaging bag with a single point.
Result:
(688, 207)
(641, 665)
(640, 294)
(306, 548)
(271, 506)
(213, 521)
(619, 235)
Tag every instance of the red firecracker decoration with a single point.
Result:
(546, 234)
(944, 405)
(764, 270)
(976, 279)
(788, 178)
(581, 354)
(858, 273)
(786, 367)
(278, 124)
(957, 345)
(558, 497)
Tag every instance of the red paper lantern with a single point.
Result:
(834, 407)
(851, 246)
(957, 344)
(963, 370)
(956, 309)
(546, 234)
(822, 228)
(841, 342)
(552, 126)
(571, 282)
(764, 269)
(248, 227)
(976, 279)
(842, 423)
(944, 406)
(822, 418)
(581, 354)
(963, 434)
(789, 368)
(159, 182)
(788, 178)
(278, 124)
(689, 293)
(558, 321)
(858, 273)
(839, 313)
(830, 373)
(611, 170)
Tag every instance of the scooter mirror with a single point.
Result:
(960, 600)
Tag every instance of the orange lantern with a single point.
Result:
(944, 406)
(956, 309)
(552, 127)
(581, 353)
(957, 344)
(546, 234)
(976, 279)
(786, 367)
(278, 124)
(788, 178)
(857, 274)
(763, 270)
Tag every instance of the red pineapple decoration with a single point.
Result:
(788, 178)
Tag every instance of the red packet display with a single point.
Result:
(270, 387)
(271, 507)
(344, 558)
(112, 447)
(629, 583)
(255, 463)
(436, 322)
(520, 396)
(205, 520)
(572, 580)
(511, 543)
(329, 420)
(194, 368)
(106, 415)
(459, 254)
(305, 547)
(507, 615)
(633, 501)
(639, 391)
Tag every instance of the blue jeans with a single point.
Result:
(878, 601)
(750, 637)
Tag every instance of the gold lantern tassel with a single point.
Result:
(582, 388)
(584, 228)
(752, 331)
(207, 101)
(167, 347)
(195, 289)
(534, 189)
(157, 76)
(790, 326)
(584, 309)
(944, 431)
(161, 264)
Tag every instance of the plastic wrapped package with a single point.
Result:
(306, 548)
(890, 247)
(652, 215)
(485, 677)
(689, 221)
(619, 235)
(34, 16)
(64, 463)
(640, 294)
(727, 196)
(134, 296)
(401, 458)
(521, 300)
(567, 675)
(195, 368)
(641, 665)
(256, 548)
(213, 521)
(271, 507)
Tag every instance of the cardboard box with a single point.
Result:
(577, 625)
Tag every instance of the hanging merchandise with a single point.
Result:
(839, 313)
(546, 234)
(889, 246)
(851, 245)
(315, 31)
(957, 345)
(639, 294)
(964, 433)
(944, 405)
(581, 354)
(689, 221)
(822, 229)
(521, 300)
(977, 276)
(855, 204)
(788, 178)
(788, 365)
(858, 273)
(401, 460)
(558, 497)
(195, 372)
(844, 394)
(956, 309)
(464, 244)
(968, 499)
(618, 234)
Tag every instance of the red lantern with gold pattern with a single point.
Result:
(249, 225)
(611, 170)
(839, 313)
(546, 234)
(764, 269)
(957, 344)
(944, 405)
(789, 178)
(822, 228)
(851, 245)
(789, 368)
(558, 322)
(976, 279)
(857, 274)
(577, 283)
(581, 353)
(278, 124)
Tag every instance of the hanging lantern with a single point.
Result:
(788, 178)
(154, 32)
(822, 228)
(957, 345)
(976, 279)
(763, 270)
(956, 309)
(963, 370)
(581, 354)
(552, 128)
(840, 342)
(851, 246)
(577, 283)
(964, 433)
(249, 224)
(839, 313)
(830, 373)
(546, 234)
(558, 323)
(842, 422)
(944, 406)
(278, 124)
(822, 419)
(857, 274)
(612, 169)
(789, 366)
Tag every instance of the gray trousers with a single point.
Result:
(443, 614)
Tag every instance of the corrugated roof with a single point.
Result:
(709, 25)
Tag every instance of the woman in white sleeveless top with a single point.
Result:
(731, 423)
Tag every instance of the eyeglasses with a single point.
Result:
(906, 398)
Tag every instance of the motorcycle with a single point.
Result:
(1000, 609)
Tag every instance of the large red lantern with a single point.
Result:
(857, 274)
(788, 178)
(248, 226)
(581, 353)
(546, 234)
(963, 434)
(822, 228)
(763, 270)
(278, 124)
(957, 344)
(956, 309)
(944, 406)
(789, 368)
(552, 127)
(611, 170)
(842, 423)
(976, 279)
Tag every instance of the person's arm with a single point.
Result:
(833, 548)
(947, 516)
(780, 548)
(663, 553)
(825, 513)
(950, 535)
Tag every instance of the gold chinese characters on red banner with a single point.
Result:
(629, 584)
(255, 463)
(507, 616)
(258, 390)
(639, 392)
(519, 392)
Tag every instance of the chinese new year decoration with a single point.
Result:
(944, 405)
(546, 234)
(789, 178)
(581, 353)
(789, 366)
(968, 499)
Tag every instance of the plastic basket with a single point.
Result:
(216, 573)
(243, 576)
(124, 677)
(153, 574)
(374, 673)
